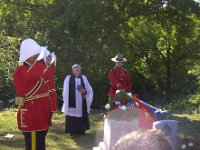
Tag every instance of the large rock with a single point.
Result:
(1, 105)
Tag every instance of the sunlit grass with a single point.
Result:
(188, 125)
(191, 117)
(56, 139)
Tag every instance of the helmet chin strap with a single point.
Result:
(30, 61)
(27, 63)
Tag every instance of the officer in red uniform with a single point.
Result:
(32, 95)
(49, 73)
(119, 77)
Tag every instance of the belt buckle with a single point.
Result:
(19, 100)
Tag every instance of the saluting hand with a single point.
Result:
(48, 60)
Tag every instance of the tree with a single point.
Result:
(8, 55)
(156, 37)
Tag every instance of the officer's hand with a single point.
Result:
(48, 60)
(83, 91)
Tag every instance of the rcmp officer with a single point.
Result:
(32, 96)
(119, 77)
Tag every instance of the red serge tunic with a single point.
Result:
(120, 80)
(50, 82)
(34, 115)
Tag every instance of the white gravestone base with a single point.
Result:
(117, 124)
(169, 127)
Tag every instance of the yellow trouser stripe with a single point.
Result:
(33, 140)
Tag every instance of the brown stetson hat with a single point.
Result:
(119, 58)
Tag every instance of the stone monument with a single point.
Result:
(169, 127)
(117, 124)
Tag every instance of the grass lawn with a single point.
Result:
(56, 139)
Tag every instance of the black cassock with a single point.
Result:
(76, 125)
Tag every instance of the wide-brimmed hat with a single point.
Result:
(119, 58)
(29, 48)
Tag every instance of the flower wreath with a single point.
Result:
(122, 100)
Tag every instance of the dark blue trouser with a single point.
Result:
(39, 143)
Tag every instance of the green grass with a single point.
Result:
(189, 125)
(56, 139)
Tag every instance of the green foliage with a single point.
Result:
(189, 103)
(161, 42)
(165, 53)
(195, 100)
(8, 57)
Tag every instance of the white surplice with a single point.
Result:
(77, 111)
